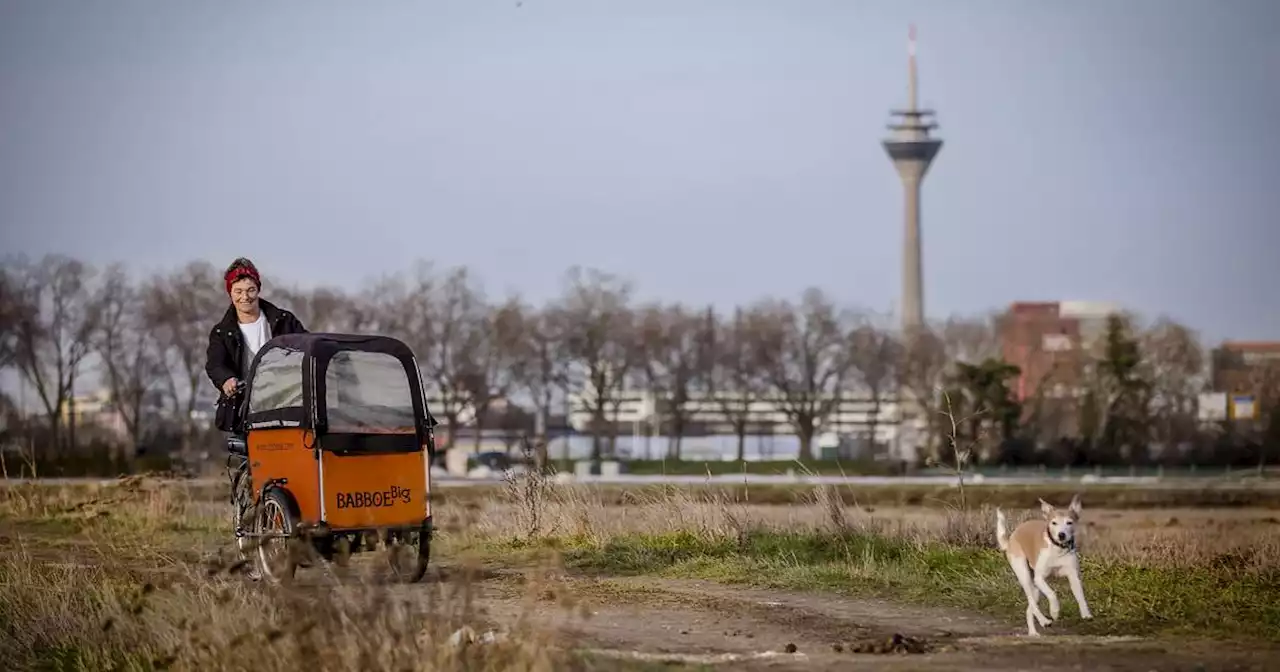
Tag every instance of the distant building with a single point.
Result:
(1242, 366)
(1050, 342)
(1245, 377)
(706, 415)
(96, 409)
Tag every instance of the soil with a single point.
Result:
(704, 623)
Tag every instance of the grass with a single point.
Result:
(1193, 494)
(135, 576)
(1212, 576)
(1135, 599)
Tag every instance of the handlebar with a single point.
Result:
(236, 392)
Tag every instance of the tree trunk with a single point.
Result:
(451, 425)
(540, 433)
(72, 421)
(874, 423)
(598, 422)
(805, 431)
(54, 450)
(741, 430)
(189, 425)
(613, 430)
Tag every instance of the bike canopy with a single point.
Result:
(337, 384)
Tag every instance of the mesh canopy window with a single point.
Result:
(277, 383)
(368, 392)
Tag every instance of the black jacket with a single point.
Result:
(222, 361)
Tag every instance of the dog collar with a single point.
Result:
(1069, 546)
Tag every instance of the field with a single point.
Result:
(140, 575)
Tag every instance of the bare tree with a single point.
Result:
(457, 316)
(433, 316)
(545, 368)
(12, 309)
(801, 352)
(181, 308)
(600, 341)
(921, 377)
(671, 352)
(53, 340)
(496, 357)
(400, 305)
(430, 314)
(972, 340)
(326, 309)
(874, 356)
(1174, 363)
(130, 354)
(732, 377)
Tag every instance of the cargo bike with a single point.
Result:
(335, 442)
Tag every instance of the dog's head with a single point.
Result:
(1062, 522)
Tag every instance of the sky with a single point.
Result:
(711, 151)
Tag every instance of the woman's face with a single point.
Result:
(244, 294)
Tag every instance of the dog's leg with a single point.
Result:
(1045, 621)
(1023, 572)
(1042, 570)
(1077, 588)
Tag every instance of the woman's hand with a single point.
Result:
(229, 387)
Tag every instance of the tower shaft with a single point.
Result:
(912, 256)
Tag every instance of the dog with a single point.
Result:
(1039, 549)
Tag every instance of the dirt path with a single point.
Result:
(741, 628)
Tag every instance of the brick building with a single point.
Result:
(1050, 342)
(1250, 367)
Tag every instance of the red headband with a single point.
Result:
(239, 272)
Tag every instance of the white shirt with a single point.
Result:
(255, 334)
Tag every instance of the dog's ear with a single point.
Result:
(1046, 508)
(1075, 506)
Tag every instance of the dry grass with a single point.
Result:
(142, 577)
(541, 508)
(1175, 493)
(134, 576)
(97, 617)
(1167, 537)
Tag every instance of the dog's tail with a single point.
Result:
(1002, 530)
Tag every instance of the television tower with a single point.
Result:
(912, 151)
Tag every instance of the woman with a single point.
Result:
(250, 321)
